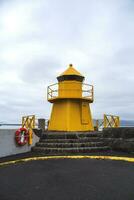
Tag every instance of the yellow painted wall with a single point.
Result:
(70, 89)
(71, 115)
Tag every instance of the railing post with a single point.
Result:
(97, 125)
(105, 124)
(47, 92)
(92, 92)
(118, 121)
(29, 123)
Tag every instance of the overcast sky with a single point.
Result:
(39, 38)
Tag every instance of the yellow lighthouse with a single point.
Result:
(71, 100)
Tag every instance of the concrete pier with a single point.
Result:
(8, 145)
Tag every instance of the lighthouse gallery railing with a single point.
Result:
(87, 91)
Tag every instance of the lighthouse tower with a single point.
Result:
(71, 99)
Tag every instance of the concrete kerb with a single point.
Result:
(114, 158)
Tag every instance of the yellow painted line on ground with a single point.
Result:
(116, 158)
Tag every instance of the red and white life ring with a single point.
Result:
(21, 136)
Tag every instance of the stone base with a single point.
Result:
(116, 139)
(120, 139)
(121, 132)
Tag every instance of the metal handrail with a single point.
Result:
(108, 121)
(28, 121)
(53, 93)
(111, 121)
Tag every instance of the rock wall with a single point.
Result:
(120, 139)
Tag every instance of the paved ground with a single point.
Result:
(68, 180)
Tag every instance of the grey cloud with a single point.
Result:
(96, 36)
(40, 70)
(125, 57)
